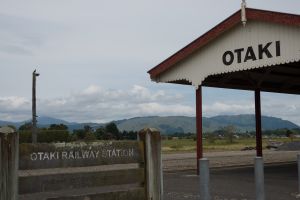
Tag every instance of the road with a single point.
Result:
(233, 183)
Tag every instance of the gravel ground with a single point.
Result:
(293, 146)
(233, 183)
(185, 161)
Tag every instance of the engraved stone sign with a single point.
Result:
(34, 156)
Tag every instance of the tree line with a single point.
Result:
(61, 133)
(230, 133)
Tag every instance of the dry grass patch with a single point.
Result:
(189, 145)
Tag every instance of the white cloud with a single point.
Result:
(13, 102)
(92, 89)
(164, 110)
(228, 108)
(100, 105)
(286, 107)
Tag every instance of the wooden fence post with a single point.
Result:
(9, 159)
(153, 165)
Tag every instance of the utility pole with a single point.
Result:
(34, 121)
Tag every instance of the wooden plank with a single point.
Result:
(9, 141)
(1, 171)
(63, 181)
(43, 156)
(79, 192)
(54, 171)
(135, 194)
(13, 164)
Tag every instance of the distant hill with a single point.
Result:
(173, 124)
(166, 125)
(50, 120)
(247, 122)
(169, 125)
(44, 121)
(5, 123)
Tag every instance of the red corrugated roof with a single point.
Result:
(230, 22)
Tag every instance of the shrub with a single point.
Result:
(211, 138)
(48, 136)
(229, 133)
(90, 137)
(25, 137)
(45, 136)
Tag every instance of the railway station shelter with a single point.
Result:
(255, 50)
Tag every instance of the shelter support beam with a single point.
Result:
(258, 123)
(199, 125)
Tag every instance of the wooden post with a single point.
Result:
(9, 157)
(153, 165)
(199, 125)
(258, 123)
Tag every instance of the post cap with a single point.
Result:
(6, 130)
(151, 130)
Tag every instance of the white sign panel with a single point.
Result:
(258, 44)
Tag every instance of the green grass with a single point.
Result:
(178, 145)
(189, 145)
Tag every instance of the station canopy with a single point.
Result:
(264, 54)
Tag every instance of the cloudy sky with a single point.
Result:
(93, 57)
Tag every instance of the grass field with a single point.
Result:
(189, 145)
